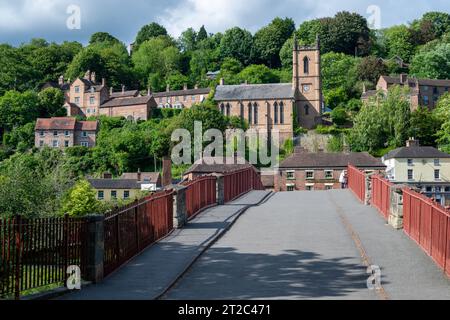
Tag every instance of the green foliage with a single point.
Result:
(147, 32)
(442, 112)
(336, 143)
(81, 200)
(257, 74)
(424, 126)
(399, 42)
(370, 69)
(237, 43)
(102, 37)
(432, 64)
(51, 101)
(339, 116)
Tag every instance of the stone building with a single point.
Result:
(275, 106)
(180, 99)
(306, 171)
(424, 92)
(65, 132)
(131, 108)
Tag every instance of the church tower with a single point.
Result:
(307, 84)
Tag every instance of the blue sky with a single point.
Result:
(21, 20)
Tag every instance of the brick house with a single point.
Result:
(181, 99)
(424, 92)
(131, 108)
(320, 171)
(275, 106)
(65, 132)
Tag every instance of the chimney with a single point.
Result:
(412, 143)
(168, 88)
(107, 175)
(364, 88)
(149, 91)
(61, 80)
(93, 77)
(403, 78)
(246, 82)
(222, 81)
(139, 175)
(196, 86)
(103, 82)
(167, 172)
(87, 75)
(111, 91)
(185, 87)
(123, 89)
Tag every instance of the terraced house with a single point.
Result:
(65, 132)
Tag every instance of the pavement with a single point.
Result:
(312, 245)
(152, 272)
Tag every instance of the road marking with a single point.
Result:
(382, 294)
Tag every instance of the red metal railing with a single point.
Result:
(36, 253)
(131, 229)
(428, 224)
(240, 182)
(357, 182)
(381, 195)
(200, 194)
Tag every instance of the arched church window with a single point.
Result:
(228, 110)
(281, 112)
(306, 65)
(242, 111)
(222, 108)
(255, 113)
(275, 113)
(250, 113)
(306, 110)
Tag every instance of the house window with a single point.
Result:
(281, 113)
(410, 162)
(161, 100)
(114, 194)
(435, 90)
(437, 174)
(92, 100)
(77, 100)
(309, 175)
(55, 133)
(177, 99)
(41, 133)
(306, 65)
(410, 174)
(290, 188)
(425, 88)
(84, 134)
(67, 133)
(126, 194)
(55, 144)
(66, 144)
(184, 98)
(275, 113)
(309, 188)
(426, 101)
(328, 174)
(290, 175)
(101, 195)
(41, 143)
(328, 187)
(255, 113)
(84, 144)
(437, 162)
(77, 89)
(193, 98)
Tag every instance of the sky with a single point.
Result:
(22, 20)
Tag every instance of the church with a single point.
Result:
(279, 106)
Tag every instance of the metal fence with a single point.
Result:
(428, 224)
(240, 182)
(36, 253)
(131, 229)
(381, 195)
(357, 182)
(200, 194)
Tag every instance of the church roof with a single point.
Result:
(254, 92)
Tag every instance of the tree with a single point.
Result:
(308, 31)
(87, 59)
(81, 200)
(176, 81)
(339, 116)
(424, 126)
(286, 54)
(229, 70)
(102, 37)
(269, 40)
(370, 69)
(188, 40)
(257, 74)
(442, 112)
(147, 32)
(202, 34)
(349, 31)
(18, 109)
(432, 64)
(237, 43)
(51, 102)
(399, 42)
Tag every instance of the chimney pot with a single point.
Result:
(103, 82)
(222, 81)
(61, 80)
(107, 175)
(123, 89)
(185, 87)
(412, 143)
(168, 88)
(196, 86)
(111, 90)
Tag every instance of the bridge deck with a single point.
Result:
(312, 245)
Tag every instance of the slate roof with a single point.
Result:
(126, 94)
(416, 152)
(152, 177)
(189, 92)
(65, 123)
(422, 82)
(254, 92)
(86, 125)
(306, 160)
(122, 102)
(217, 165)
(112, 184)
(369, 93)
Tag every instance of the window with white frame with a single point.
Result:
(290, 175)
(310, 174)
(84, 144)
(290, 187)
(55, 144)
(410, 162)
(41, 133)
(437, 174)
(77, 89)
(77, 100)
(101, 195)
(410, 174)
(84, 134)
(437, 162)
(328, 174)
(92, 100)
